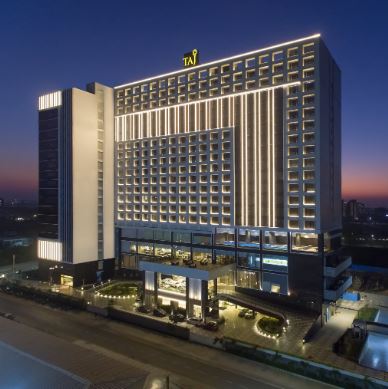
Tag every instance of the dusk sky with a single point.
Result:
(49, 45)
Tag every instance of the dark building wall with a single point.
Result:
(48, 173)
(329, 145)
(82, 273)
(306, 279)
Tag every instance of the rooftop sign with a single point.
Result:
(191, 58)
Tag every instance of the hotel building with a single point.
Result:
(227, 178)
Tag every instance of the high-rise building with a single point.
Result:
(353, 209)
(76, 237)
(228, 178)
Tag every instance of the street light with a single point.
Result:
(51, 274)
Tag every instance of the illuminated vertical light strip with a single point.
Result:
(187, 109)
(260, 159)
(195, 117)
(184, 118)
(242, 160)
(218, 113)
(255, 156)
(229, 114)
(149, 124)
(142, 125)
(268, 160)
(246, 157)
(273, 161)
(157, 123)
(206, 127)
(125, 128)
(133, 127)
(176, 121)
(222, 113)
(129, 127)
(160, 122)
(119, 130)
(167, 122)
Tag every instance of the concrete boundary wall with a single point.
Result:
(304, 367)
(149, 322)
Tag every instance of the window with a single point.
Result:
(225, 237)
(181, 253)
(223, 257)
(145, 233)
(202, 255)
(163, 251)
(202, 238)
(162, 235)
(251, 260)
(275, 283)
(307, 242)
(146, 248)
(248, 279)
(274, 240)
(248, 238)
(277, 56)
(275, 263)
(128, 247)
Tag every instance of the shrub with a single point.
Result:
(271, 325)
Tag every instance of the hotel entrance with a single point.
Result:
(66, 280)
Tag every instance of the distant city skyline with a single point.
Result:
(34, 66)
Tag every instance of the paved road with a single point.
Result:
(205, 366)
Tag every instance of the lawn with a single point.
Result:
(120, 289)
(367, 313)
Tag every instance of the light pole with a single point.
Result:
(51, 274)
(13, 262)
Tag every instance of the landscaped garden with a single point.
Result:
(271, 326)
(119, 290)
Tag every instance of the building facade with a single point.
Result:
(76, 237)
(228, 178)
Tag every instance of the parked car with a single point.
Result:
(204, 261)
(192, 264)
(144, 309)
(194, 321)
(159, 312)
(243, 312)
(174, 263)
(250, 315)
(177, 317)
(211, 325)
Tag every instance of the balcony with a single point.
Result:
(335, 266)
(334, 292)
